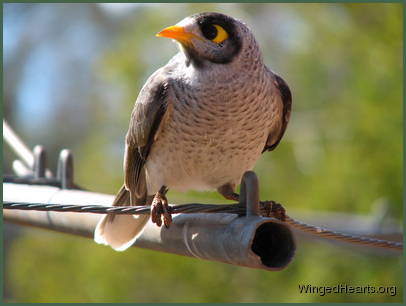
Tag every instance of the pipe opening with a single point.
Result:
(274, 244)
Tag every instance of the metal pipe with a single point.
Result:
(17, 145)
(250, 241)
(22, 151)
(21, 169)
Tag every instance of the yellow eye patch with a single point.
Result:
(221, 36)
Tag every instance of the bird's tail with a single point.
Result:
(120, 231)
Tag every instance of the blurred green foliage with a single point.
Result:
(341, 152)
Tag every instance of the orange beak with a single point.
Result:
(177, 33)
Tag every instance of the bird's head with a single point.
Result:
(210, 37)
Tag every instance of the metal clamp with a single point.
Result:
(249, 194)
(39, 162)
(64, 173)
(41, 175)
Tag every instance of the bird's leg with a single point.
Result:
(227, 191)
(160, 207)
(268, 208)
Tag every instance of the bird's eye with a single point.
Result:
(215, 33)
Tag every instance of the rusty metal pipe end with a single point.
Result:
(274, 244)
(255, 242)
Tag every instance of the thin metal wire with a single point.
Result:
(207, 208)
(125, 210)
(355, 239)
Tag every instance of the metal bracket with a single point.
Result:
(42, 176)
(39, 166)
(64, 173)
(249, 193)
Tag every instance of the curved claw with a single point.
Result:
(273, 209)
(166, 213)
(160, 207)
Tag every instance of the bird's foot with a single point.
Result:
(273, 209)
(160, 207)
(268, 208)
(227, 191)
(233, 197)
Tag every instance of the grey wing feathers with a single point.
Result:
(121, 231)
(286, 97)
(146, 118)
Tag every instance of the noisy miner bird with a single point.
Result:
(199, 122)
